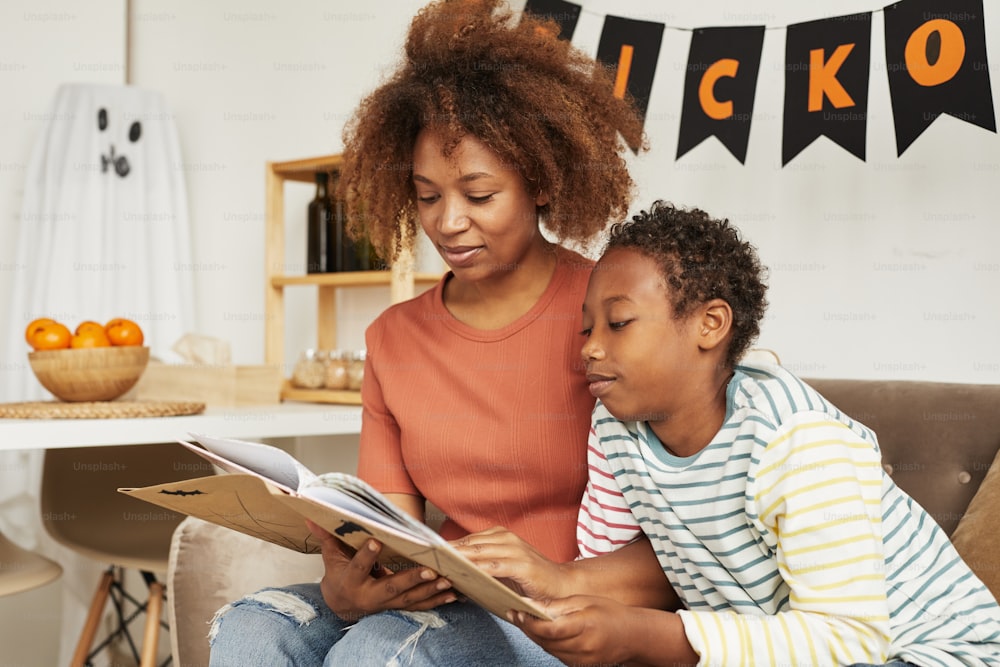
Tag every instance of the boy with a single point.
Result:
(767, 507)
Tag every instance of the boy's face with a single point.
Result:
(638, 357)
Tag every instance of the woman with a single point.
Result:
(473, 399)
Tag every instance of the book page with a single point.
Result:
(268, 461)
(353, 494)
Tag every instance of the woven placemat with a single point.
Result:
(99, 409)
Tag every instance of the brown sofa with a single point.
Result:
(939, 442)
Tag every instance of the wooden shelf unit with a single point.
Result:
(401, 278)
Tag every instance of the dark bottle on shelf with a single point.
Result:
(321, 251)
(342, 244)
(352, 255)
(360, 255)
(374, 262)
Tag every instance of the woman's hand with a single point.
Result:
(506, 556)
(354, 585)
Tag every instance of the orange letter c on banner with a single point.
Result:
(712, 107)
(949, 60)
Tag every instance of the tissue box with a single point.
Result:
(213, 385)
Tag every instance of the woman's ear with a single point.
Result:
(542, 198)
(716, 323)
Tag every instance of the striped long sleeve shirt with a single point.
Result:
(784, 538)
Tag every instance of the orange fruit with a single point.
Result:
(89, 334)
(34, 326)
(122, 331)
(88, 325)
(50, 336)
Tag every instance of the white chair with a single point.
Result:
(21, 569)
(83, 511)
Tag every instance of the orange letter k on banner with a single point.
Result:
(823, 78)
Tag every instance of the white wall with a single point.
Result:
(881, 268)
(43, 43)
(251, 82)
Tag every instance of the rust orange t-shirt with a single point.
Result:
(490, 426)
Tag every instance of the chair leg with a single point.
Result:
(151, 635)
(93, 620)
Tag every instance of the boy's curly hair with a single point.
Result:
(540, 104)
(701, 258)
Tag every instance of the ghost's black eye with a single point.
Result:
(135, 131)
(102, 119)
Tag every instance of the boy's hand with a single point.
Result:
(588, 630)
(351, 588)
(506, 556)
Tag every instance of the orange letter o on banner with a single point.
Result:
(712, 107)
(949, 60)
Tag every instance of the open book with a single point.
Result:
(268, 494)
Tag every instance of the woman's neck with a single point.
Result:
(495, 302)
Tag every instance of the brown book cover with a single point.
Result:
(266, 493)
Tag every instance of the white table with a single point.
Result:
(289, 419)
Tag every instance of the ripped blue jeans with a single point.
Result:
(293, 627)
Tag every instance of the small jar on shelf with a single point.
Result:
(336, 377)
(356, 370)
(310, 370)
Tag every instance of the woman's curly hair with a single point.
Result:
(701, 258)
(540, 104)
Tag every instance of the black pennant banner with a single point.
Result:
(566, 14)
(826, 84)
(719, 88)
(936, 61)
(935, 57)
(632, 47)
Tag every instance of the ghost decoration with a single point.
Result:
(104, 228)
(120, 163)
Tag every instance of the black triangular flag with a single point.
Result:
(826, 83)
(566, 14)
(632, 47)
(936, 63)
(719, 88)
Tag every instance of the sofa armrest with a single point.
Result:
(210, 566)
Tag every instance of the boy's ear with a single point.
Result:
(716, 323)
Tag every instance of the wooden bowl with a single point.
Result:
(89, 374)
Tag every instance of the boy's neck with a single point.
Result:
(689, 431)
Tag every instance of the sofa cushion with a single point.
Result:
(211, 566)
(937, 438)
(976, 537)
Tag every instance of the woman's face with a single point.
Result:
(475, 209)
